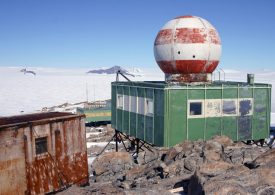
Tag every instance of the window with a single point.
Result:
(126, 103)
(195, 108)
(149, 107)
(140, 105)
(229, 107)
(133, 104)
(245, 107)
(119, 101)
(41, 145)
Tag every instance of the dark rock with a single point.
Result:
(147, 156)
(170, 156)
(112, 165)
(190, 164)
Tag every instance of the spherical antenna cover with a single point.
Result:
(187, 45)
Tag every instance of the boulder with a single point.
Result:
(223, 140)
(111, 165)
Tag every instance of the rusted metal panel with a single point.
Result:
(12, 162)
(61, 162)
(188, 78)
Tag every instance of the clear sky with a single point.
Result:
(96, 33)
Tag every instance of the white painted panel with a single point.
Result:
(163, 52)
(170, 24)
(201, 52)
(207, 24)
(194, 22)
(213, 108)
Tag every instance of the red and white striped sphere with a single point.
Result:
(186, 45)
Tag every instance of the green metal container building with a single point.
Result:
(165, 114)
(97, 113)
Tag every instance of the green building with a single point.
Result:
(166, 114)
(97, 112)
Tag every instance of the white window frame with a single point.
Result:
(202, 109)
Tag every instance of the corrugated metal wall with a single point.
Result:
(64, 163)
(171, 123)
(12, 162)
(134, 121)
(242, 125)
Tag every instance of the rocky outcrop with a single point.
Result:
(255, 177)
(217, 166)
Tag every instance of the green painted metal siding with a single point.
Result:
(139, 124)
(262, 102)
(229, 127)
(159, 117)
(176, 116)
(172, 121)
(113, 106)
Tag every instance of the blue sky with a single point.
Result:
(96, 33)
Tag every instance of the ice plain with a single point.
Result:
(25, 93)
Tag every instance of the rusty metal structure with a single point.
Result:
(42, 153)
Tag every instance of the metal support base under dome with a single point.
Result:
(189, 78)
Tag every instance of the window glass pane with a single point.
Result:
(41, 145)
(126, 103)
(133, 104)
(195, 108)
(119, 101)
(141, 105)
(229, 107)
(245, 107)
(149, 107)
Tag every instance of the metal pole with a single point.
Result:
(116, 140)
(137, 146)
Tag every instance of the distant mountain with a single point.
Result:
(112, 70)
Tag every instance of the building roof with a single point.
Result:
(30, 118)
(164, 85)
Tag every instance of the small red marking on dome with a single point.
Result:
(188, 16)
(213, 34)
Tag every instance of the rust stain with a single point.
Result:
(187, 36)
(188, 78)
(164, 37)
(190, 35)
